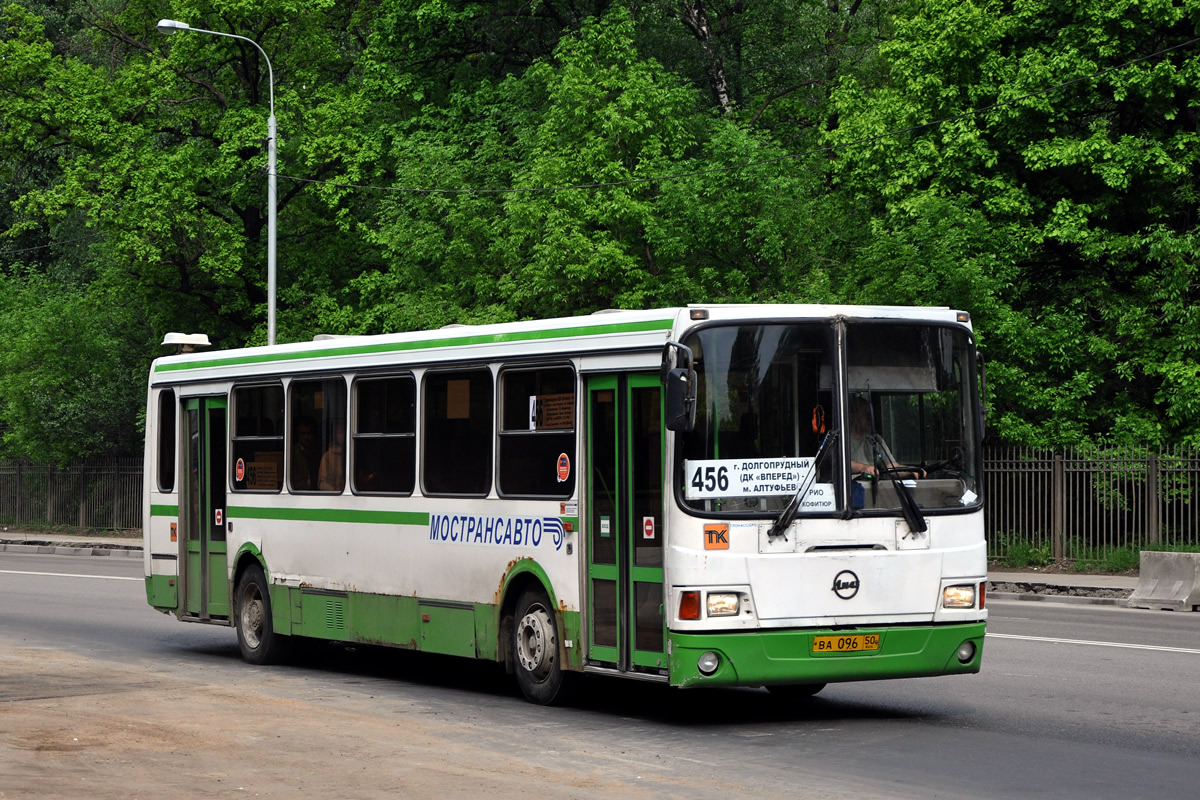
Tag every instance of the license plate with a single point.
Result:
(851, 643)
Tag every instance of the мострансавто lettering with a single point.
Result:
(514, 531)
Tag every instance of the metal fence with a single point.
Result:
(1077, 504)
(105, 495)
(1065, 505)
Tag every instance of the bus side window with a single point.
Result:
(384, 452)
(457, 426)
(258, 438)
(537, 432)
(317, 441)
(166, 440)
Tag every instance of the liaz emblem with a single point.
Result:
(845, 584)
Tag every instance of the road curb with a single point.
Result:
(46, 548)
(1032, 597)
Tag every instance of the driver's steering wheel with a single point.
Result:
(900, 469)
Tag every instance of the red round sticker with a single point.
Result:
(564, 467)
(239, 470)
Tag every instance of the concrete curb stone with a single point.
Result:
(1060, 598)
(69, 548)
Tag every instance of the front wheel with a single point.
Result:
(535, 649)
(257, 639)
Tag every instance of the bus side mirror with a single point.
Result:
(680, 385)
(681, 399)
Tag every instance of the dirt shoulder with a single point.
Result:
(74, 727)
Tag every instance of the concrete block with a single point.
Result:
(1168, 581)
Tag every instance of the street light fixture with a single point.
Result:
(169, 26)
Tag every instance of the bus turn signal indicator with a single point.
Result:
(689, 605)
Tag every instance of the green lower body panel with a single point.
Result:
(408, 622)
(765, 658)
(570, 638)
(162, 591)
(431, 626)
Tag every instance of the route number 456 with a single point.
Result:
(708, 479)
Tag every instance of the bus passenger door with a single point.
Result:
(625, 522)
(206, 583)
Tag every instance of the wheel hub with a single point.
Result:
(535, 642)
(252, 620)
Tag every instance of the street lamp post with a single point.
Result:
(169, 26)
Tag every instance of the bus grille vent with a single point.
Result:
(826, 548)
(335, 614)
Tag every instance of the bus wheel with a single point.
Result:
(535, 649)
(796, 691)
(252, 612)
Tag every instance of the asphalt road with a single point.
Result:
(1074, 701)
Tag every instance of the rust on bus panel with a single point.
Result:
(499, 595)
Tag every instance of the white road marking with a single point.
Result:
(1095, 644)
(69, 575)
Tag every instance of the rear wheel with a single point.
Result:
(257, 639)
(535, 649)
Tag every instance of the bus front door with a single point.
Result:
(625, 522)
(206, 583)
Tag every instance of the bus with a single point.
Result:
(779, 496)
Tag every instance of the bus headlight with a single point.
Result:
(723, 604)
(959, 596)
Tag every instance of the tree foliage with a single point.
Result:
(1068, 133)
(447, 161)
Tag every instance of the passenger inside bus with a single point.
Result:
(304, 455)
(332, 474)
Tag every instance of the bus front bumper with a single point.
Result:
(766, 658)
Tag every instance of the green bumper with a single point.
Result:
(764, 658)
(162, 592)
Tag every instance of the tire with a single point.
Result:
(535, 651)
(257, 639)
(796, 692)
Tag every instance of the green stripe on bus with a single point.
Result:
(164, 511)
(330, 515)
(425, 344)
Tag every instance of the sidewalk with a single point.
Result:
(1062, 587)
(1056, 587)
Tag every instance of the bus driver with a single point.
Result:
(862, 455)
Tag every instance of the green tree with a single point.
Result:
(466, 162)
(72, 377)
(1064, 137)
(138, 166)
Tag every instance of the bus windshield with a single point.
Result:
(768, 394)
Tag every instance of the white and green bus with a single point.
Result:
(723, 495)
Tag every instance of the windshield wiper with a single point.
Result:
(788, 513)
(908, 506)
